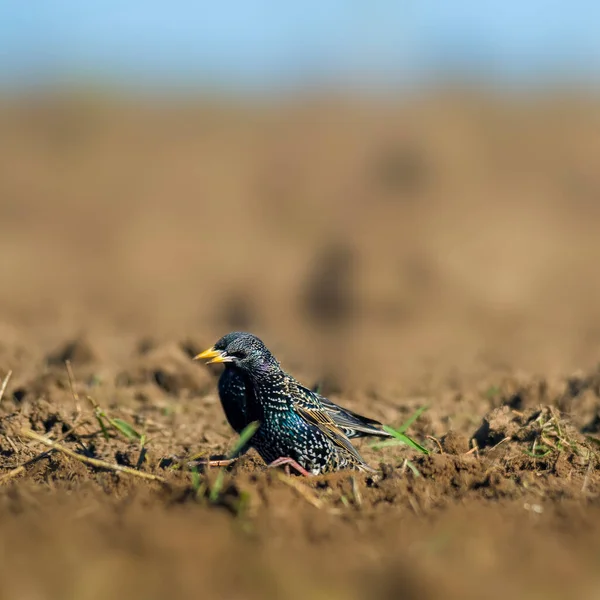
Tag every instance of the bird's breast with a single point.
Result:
(233, 396)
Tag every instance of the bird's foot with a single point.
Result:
(288, 462)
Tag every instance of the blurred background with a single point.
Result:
(395, 185)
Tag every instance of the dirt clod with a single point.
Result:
(455, 443)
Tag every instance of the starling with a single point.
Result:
(298, 427)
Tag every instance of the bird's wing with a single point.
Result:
(351, 423)
(311, 411)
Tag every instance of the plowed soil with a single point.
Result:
(439, 253)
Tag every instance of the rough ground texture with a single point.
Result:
(439, 253)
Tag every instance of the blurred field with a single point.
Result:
(439, 251)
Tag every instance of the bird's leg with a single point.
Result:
(289, 462)
(222, 462)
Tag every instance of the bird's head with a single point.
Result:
(243, 351)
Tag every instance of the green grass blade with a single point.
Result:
(215, 490)
(242, 504)
(386, 444)
(195, 478)
(100, 420)
(404, 427)
(244, 438)
(413, 468)
(125, 429)
(399, 438)
(539, 451)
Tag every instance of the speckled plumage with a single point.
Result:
(295, 422)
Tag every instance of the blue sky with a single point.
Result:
(264, 44)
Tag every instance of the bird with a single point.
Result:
(298, 427)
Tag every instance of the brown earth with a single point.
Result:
(438, 252)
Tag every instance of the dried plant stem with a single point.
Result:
(13, 473)
(436, 441)
(72, 384)
(21, 468)
(4, 384)
(303, 490)
(94, 462)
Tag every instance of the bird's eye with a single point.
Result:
(236, 354)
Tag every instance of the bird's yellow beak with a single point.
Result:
(216, 355)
